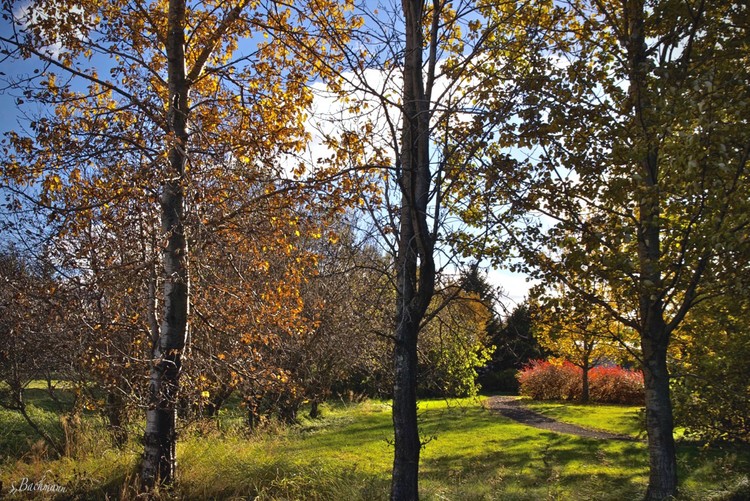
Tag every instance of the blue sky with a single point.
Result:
(12, 118)
(9, 112)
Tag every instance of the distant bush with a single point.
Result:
(615, 385)
(542, 380)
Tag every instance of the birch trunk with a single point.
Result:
(159, 463)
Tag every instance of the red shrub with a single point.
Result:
(616, 385)
(542, 380)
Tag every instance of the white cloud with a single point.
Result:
(514, 285)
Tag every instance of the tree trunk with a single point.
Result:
(585, 389)
(158, 465)
(314, 411)
(415, 262)
(404, 481)
(662, 482)
(653, 332)
(20, 406)
(116, 418)
(217, 401)
(253, 414)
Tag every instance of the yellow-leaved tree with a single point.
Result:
(582, 334)
(181, 115)
(454, 343)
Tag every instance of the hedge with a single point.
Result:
(542, 380)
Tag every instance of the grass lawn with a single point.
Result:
(620, 419)
(471, 454)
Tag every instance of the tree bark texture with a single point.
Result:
(662, 483)
(115, 410)
(585, 382)
(159, 463)
(653, 332)
(415, 262)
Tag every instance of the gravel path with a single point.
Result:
(512, 408)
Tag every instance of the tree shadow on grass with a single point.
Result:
(547, 464)
(41, 399)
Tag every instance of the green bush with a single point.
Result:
(713, 407)
(710, 385)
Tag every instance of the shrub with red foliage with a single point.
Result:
(615, 385)
(542, 380)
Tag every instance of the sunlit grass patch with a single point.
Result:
(470, 454)
(343, 455)
(481, 455)
(620, 419)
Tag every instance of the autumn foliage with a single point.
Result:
(543, 380)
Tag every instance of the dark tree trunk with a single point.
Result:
(404, 480)
(253, 415)
(662, 483)
(287, 412)
(588, 347)
(653, 332)
(314, 411)
(585, 376)
(217, 401)
(115, 410)
(415, 262)
(19, 404)
(158, 465)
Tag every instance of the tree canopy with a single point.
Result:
(233, 197)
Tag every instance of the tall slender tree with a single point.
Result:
(415, 262)
(408, 92)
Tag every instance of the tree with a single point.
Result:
(710, 359)
(396, 114)
(515, 345)
(634, 126)
(28, 300)
(112, 281)
(511, 340)
(454, 344)
(349, 303)
(415, 262)
(581, 334)
(475, 282)
(185, 116)
(242, 287)
(417, 145)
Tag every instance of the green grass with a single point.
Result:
(479, 455)
(16, 436)
(347, 454)
(622, 419)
